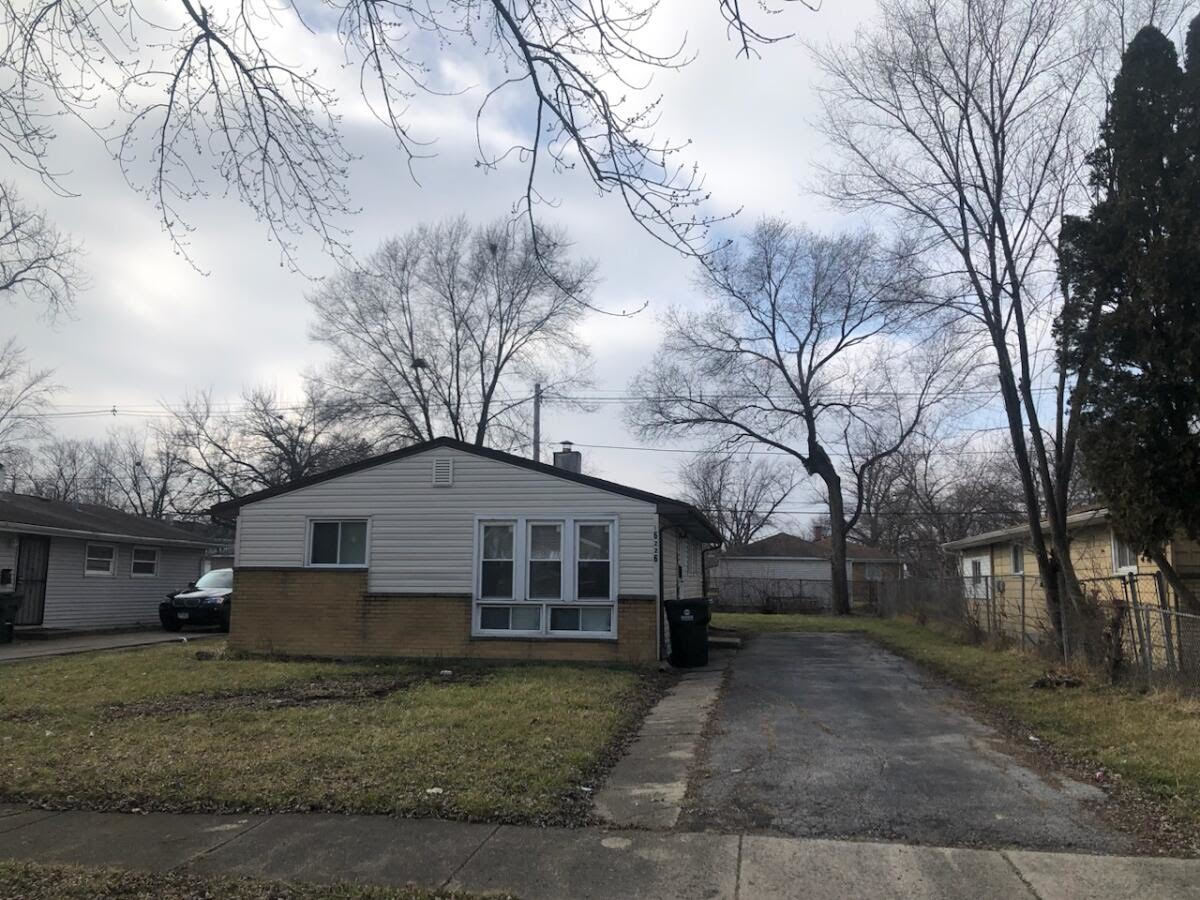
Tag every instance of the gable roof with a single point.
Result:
(37, 515)
(677, 512)
(789, 546)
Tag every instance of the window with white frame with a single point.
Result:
(543, 577)
(1125, 558)
(100, 559)
(337, 542)
(144, 563)
(1018, 559)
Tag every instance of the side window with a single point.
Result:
(1018, 559)
(338, 543)
(144, 563)
(1125, 558)
(100, 559)
(976, 571)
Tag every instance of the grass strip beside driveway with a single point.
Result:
(1149, 740)
(159, 729)
(32, 881)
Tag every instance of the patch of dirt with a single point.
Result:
(320, 691)
(701, 769)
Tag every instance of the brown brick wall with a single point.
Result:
(313, 612)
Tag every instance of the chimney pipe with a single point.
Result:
(568, 458)
(818, 531)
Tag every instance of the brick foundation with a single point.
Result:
(314, 612)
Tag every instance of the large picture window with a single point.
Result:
(340, 542)
(546, 577)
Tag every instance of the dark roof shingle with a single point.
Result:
(87, 518)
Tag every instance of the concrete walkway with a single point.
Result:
(90, 643)
(554, 863)
(647, 786)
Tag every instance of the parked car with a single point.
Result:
(203, 602)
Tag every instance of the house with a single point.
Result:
(82, 566)
(1000, 571)
(787, 571)
(448, 549)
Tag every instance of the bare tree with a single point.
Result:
(25, 394)
(202, 90)
(802, 348)
(265, 444)
(740, 493)
(146, 473)
(445, 331)
(72, 469)
(969, 121)
(36, 260)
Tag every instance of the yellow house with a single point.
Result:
(1002, 582)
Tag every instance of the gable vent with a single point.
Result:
(443, 472)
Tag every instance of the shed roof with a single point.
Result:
(38, 515)
(678, 512)
(1074, 520)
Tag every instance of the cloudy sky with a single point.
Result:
(152, 326)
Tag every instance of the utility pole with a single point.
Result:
(537, 423)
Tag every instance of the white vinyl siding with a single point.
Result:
(422, 537)
(681, 551)
(75, 600)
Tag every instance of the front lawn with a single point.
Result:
(1149, 740)
(31, 881)
(162, 729)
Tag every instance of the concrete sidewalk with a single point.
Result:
(90, 643)
(558, 863)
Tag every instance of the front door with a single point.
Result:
(33, 558)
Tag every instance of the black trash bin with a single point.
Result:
(9, 604)
(688, 621)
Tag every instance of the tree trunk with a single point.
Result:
(1187, 597)
(837, 540)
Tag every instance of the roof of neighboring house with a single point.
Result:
(677, 512)
(789, 546)
(1074, 520)
(37, 515)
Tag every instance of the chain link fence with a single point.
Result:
(1129, 625)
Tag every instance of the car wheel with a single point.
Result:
(171, 624)
(225, 620)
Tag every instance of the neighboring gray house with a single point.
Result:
(77, 565)
(784, 571)
(448, 549)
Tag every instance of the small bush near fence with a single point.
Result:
(1129, 625)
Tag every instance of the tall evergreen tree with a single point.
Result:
(1131, 275)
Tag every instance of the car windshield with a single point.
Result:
(217, 578)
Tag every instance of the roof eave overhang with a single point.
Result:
(1078, 520)
(51, 531)
(691, 521)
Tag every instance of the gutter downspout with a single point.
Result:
(662, 600)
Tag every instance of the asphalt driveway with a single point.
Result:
(828, 735)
